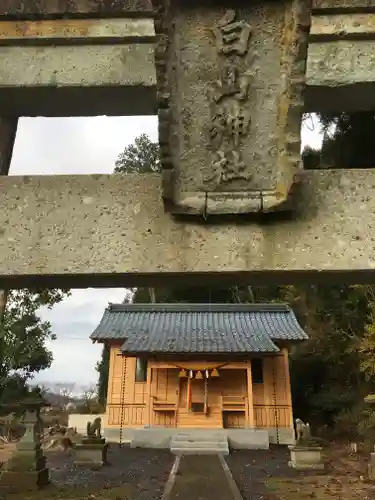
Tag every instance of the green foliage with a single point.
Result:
(141, 157)
(366, 348)
(102, 368)
(311, 158)
(23, 337)
(347, 142)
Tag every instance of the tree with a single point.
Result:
(141, 157)
(325, 370)
(347, 142)
(102, 368)
(62, 392)
(23, 337)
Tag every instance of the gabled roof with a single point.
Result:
(198, 328)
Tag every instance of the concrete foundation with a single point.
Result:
(281, 436)
(160, 437)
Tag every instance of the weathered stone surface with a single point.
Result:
(230, 109)
(94, 80)
(348, 62)
(343, 4)
(340, 64)
(306, 458)
(24, 8)
(342, 26)
(112, 230)
(341, 76)
(91, 454)
(73, 31)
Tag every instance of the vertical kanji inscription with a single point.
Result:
(230, 95)
(230, 117)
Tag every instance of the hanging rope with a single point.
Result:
(275, 400)
(122, 400)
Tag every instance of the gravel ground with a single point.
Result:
(250, 468)
(144, 470)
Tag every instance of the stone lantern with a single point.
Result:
(27, 469)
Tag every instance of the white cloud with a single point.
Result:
(50, 146)
(311, 134)
(47, 146)
(73, 320)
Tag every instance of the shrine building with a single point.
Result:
(191, 367)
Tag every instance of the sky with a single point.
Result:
(55, 146)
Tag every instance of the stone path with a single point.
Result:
(201, 477)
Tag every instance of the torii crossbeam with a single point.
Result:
(230, 83)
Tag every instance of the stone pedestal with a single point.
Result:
(91, 451)
(306, 457)
(26, 469)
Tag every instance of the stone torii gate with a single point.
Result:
(229, 81)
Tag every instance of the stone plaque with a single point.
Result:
(230, 83)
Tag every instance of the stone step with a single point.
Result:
(222, 438)
(199, 444)
(199, 451)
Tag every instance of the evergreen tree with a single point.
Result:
(102, 368)
(23, 336)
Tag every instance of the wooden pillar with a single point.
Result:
(177, 407)
(268, 420)
(148, 416)
(250, 417)
(188, 394)
(287, 383)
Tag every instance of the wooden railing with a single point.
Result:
(273, 416)
(162, 405)
(166, 408)
(234, 403)
(126, 414)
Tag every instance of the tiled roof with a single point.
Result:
(198, 328)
